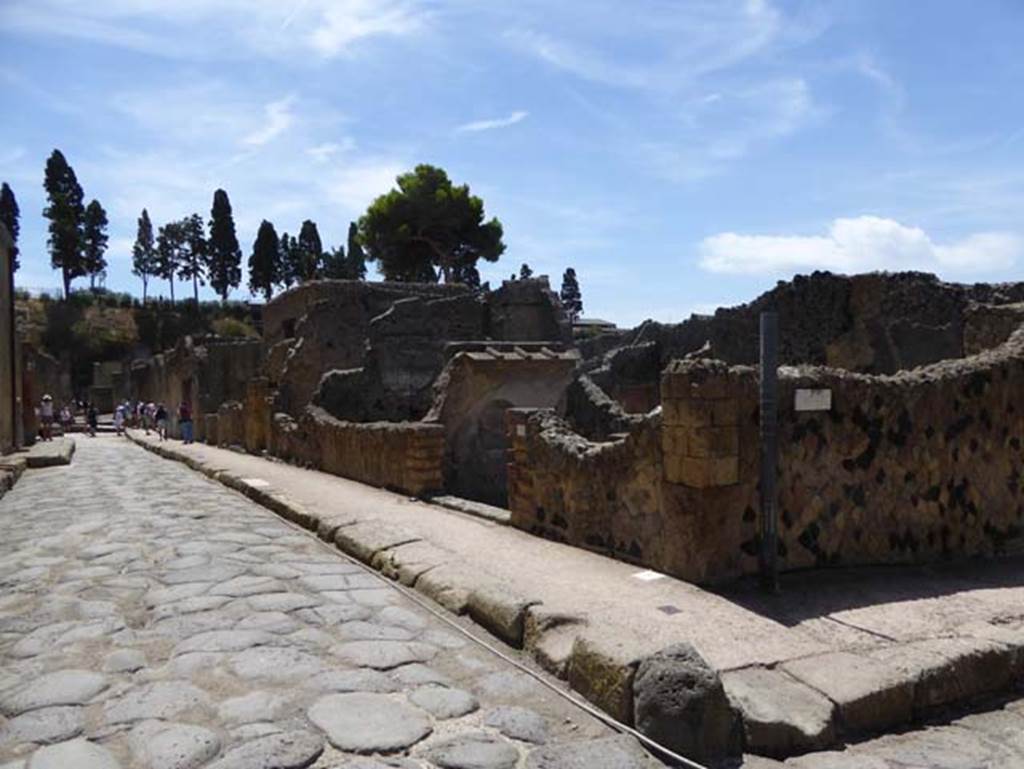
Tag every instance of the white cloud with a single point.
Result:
(859, 244)
(355, 187)
(343, 22)
(209, 29)
(279, 118)
(681, 41)
(723, 129)
(324, 152)
(486, 125)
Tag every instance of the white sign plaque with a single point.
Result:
(813, 400)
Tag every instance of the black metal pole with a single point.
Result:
(769, 449)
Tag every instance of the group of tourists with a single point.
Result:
(153, 416)
(66, 416)
(149, 416)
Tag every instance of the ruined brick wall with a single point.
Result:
(914, 467)
(876, 323)
(527, 311)
(282, 314)
(402, 456)
(230, 424)
(473, 393)
(8, 362)
(604, 496)
(206, 371)
(258, 411)
(989, 325)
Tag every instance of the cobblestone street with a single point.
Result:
(150, 617)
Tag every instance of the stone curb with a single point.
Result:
(828, 698)
(37, 457)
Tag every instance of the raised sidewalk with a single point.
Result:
(836, 656)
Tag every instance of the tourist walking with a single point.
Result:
(119, 416)
(46, 418)
(185, 421)
(161, 422)
(148, 416)
(92, 418)
(66, 419)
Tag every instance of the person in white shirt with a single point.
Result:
(46, 418)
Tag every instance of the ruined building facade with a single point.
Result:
(644, 444)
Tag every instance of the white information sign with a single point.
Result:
(813, 400)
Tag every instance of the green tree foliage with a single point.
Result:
(572, 299)
(309, 253)
(334, 265)
(144, 256)
(194, 254)
(337, 265)
(356, 256)
(265, 261)
(9, 217)
(427, 228)
(170, 248)
(65, 212)
(525, 272)
(225, 255)
(94, 242)
(287, 256)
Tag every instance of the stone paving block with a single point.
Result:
(365, 539)
(618, 752)
(781, 716)
(63, 687)
(292, 749)
(78, 753)
(443, 702)
(473, 751)
(869, 694)
(369, 723)
(500, 611)
(408, 562)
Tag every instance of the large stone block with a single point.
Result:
(680, 702)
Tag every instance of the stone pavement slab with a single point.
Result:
(882, 646)
(151, 618)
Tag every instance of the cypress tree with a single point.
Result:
(310, 252)
(193, 253)
(572, 299)
(334, 265)
(356, 256)
(10, 216)
(144, 252)
(65, 212)
(225, 255)
(170, 243)
(94, 242)
(285, 258)
(265, 261)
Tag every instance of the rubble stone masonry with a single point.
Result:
(916, 466)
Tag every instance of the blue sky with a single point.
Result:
(680, 154)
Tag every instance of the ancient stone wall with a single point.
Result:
(402, 456)
(527, 311)
(8, 361)
(474, 391)
(205, 371)
(282, 315)
(875, 323)
(989, 325)
(601, 495)
(913, 467)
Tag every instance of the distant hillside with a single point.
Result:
(99, 326)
